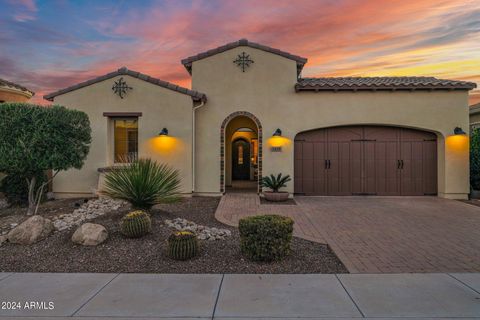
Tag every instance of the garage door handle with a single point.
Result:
(329, 164)
(402, 164)
(398, 164)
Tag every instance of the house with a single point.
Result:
(12, 92)
(474, 116)
(250, 113)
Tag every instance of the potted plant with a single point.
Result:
(275, 183)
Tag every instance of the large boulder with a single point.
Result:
(90, 234)
(31, 230)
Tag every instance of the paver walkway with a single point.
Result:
(379, 234)
(239, 296)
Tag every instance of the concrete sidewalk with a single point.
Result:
(238, 296)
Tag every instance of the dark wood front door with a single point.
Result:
(240, 160)
(366, 160)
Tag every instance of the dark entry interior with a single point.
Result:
(240, 160)
(366, 160)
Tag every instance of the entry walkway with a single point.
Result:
(379, 234)
(238, 296)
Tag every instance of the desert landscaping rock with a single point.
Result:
(2, 239)
(4, 203)
(149, 254)
(90, 210)
(202, 232)
(31, 230)
(90, 234)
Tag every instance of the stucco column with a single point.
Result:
(454, 162)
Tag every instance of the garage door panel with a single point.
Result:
(381, 133)
(366, 160)
(298, 167)
(430, 166)
(417, 167)
(369, 176)
(344, 174)
(356, 167)
(333, 183)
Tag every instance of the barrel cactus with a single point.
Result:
(182, 245)
(136, 224)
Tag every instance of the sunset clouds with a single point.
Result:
(50, 45)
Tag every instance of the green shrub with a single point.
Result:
(275, 183)
(136, 224)
(265, 238)
(182, 245)
(15, 187)
(475, 159)
(35, 138)
(144, 183)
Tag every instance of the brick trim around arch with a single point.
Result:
(222, 146)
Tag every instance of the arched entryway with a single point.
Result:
(366, 160)
(240, 152)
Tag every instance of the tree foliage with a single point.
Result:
(37, 138)
(475, 159)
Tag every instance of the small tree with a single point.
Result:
(35, 139)
(475, 159)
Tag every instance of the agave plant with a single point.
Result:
(144, 183)
(275, 183)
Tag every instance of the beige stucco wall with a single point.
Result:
(160, 108)
(266, 89)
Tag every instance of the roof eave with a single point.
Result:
(187, 62)
(195, 95)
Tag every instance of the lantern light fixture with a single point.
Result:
(164, 132)
(277, 133)
(458, 131)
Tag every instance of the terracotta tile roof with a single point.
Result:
(381, 83)
(243, 42)
(197, 96)
(5, 83)
(475, 108)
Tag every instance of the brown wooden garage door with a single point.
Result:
(358, 160)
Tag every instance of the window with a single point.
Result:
(240, 154)
(125, 139)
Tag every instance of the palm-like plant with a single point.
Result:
(275, 182)
(144, 183)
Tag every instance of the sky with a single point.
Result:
(49, 45)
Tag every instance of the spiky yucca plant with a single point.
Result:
(182, 245)
(136, 224)
(144, 183)
(275, 183)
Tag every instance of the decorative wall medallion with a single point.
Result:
(120, 87)
(243, 61)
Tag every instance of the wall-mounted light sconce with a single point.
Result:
(164, 132)
(458, 131)
(277, 133)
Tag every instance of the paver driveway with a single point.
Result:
(379, 234)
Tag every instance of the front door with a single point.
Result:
(240, 160)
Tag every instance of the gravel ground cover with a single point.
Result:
(147, 255)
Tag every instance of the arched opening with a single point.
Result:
(241, 162)
(366, 160)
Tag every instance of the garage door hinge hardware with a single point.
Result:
(363, 140)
